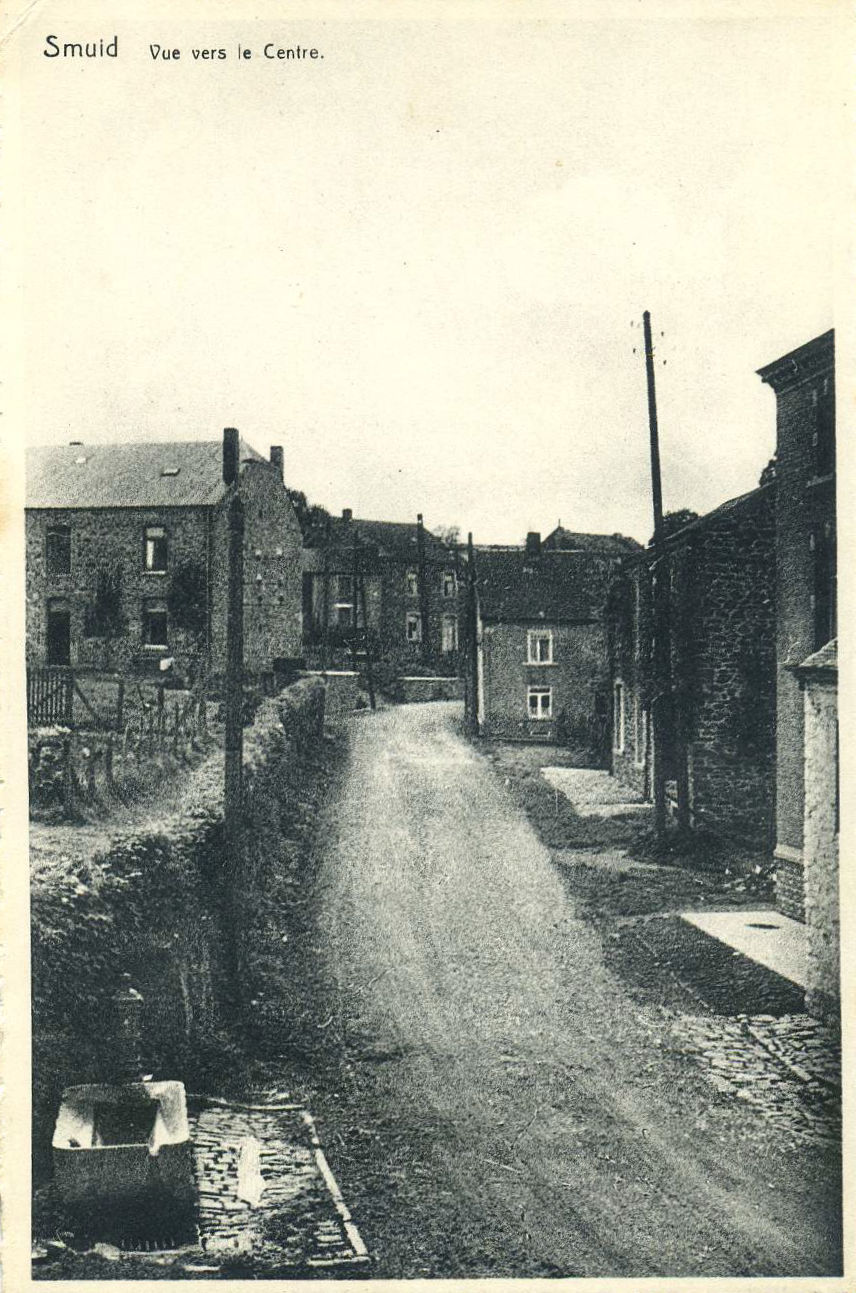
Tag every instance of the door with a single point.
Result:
(59, 636)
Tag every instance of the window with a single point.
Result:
(540, 701)
(539, 646)
(59, 550)
(640, 733)
(343, 587)
(412, 583)
(824, 435)
(155, 550)
(618, 718)
(343, 616)
(155, 625)
(450, 634)
(414, 627)
(448, 583)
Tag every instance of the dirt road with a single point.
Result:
(501, 1106)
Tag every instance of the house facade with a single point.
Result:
(542, 669)
(721, 572)
(806, 575)
(390, 584)
(127, 556)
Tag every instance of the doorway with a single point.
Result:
(59, 635)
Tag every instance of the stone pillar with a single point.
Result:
(820, 844)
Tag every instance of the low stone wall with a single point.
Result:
(176, 907)
(439, 688)
(341, 691)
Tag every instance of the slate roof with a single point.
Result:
(392, 539)
(557, 586)
(128, 475)
(730, 505)
(564, 540)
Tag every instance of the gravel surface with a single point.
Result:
(494, 1099)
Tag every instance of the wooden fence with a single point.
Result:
(50, 697)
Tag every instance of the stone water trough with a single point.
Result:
(123, 1146)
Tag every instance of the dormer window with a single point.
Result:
(155, 550)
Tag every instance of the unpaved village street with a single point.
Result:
(499, 1103)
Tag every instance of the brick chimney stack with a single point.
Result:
(231, 455)
(533, 545)
(347, 514)
(276, 459)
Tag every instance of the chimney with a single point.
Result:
(533, 545)
(276, 459)
(347, 514)
(231, 455)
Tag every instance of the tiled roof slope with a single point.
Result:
(557, 586)
(563, 540)
(395, 539)
(128, 475)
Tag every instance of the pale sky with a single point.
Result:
(415, 263)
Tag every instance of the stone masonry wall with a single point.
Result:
(273, 590)
(107, 540)
(820, 849)
(725, 616)
(579, 673)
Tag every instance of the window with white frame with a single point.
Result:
(540, 702)
(413, 627)
(618, 718)
(640, 732)
(539, 646)
(155, 625)
(412, 583)
(155, 550)
(448, 583)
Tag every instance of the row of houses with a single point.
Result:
(126, 566)
(562, 636)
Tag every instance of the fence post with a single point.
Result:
(108, 761)
(120, 706)
(90, 775)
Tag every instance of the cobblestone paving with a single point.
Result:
(788, 1069)
(296, 1222)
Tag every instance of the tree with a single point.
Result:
(769, 472)
(674, 521)
(187, 602)
(104, 617)
(309, 515)
(448, 534)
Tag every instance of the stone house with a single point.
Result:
(127, 548)
(393, 584)
(542, 668)
(722, 599)
(806, 574)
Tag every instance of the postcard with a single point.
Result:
(422, 756)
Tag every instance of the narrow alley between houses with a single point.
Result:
(494, 1098)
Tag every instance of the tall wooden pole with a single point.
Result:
(234, 664)
(660, 706)
(472, 640)
(423, 589)
(359, 575)
(325, 598)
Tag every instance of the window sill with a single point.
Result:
(156, 572)
(540, 664)
(151, 646)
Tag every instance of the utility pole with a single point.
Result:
(325, 598)
(472, 640)
(423, 588)
(234, 664)
(662, 665)
(666, 718)
(359, 574)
